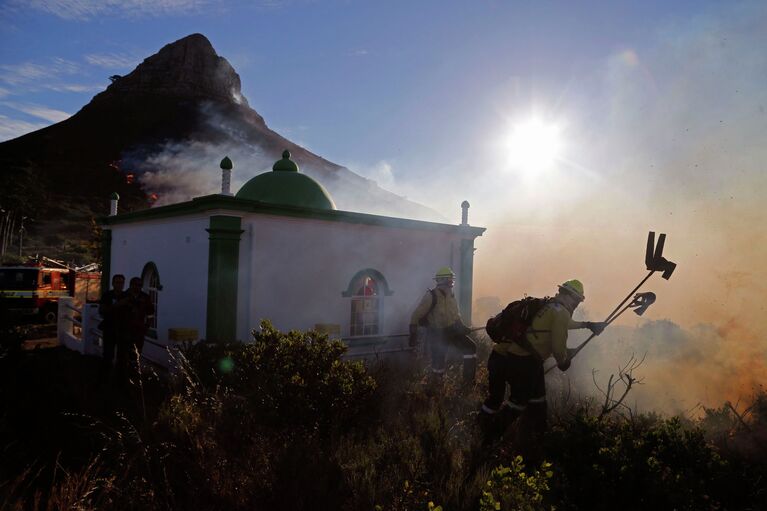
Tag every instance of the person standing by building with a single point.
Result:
(138, 309)
(438, 312)
(109, 323)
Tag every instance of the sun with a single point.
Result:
(533, 145)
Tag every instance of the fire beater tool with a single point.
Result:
(655, 262)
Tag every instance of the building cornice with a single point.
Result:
(218, 203)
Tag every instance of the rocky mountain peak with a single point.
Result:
(188, 68)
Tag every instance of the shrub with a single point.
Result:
(639, 465)
(511, 488)
(287, 380)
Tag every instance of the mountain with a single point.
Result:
(156, 136)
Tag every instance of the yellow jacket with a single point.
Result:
(549, 336)
(444, 314)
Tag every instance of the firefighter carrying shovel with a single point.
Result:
(519, 363)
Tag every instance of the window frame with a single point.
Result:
(359, 302)
(148, 274)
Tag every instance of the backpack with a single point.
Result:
(513, 322)
(424, 321)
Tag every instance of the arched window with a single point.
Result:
(150, 278)
(367, 290)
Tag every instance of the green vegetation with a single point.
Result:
(285, 423)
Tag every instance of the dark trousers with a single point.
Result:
(119, 353)
(523, 375)
(527, 402)
(439, 343)
(108, 354)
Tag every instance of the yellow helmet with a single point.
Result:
(574, 287)
(446, 272)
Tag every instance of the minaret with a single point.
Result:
(466, 268)
(113, 199)
(226, 176)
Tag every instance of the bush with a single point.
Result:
(292, 380)
(639, 465)
(511, 488)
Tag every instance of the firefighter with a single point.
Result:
(520, 364)
(438, 312)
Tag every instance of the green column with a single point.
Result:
(466, 281)
(106, 259)
(223, 269)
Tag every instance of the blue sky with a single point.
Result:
(413, 84)
(660, 110)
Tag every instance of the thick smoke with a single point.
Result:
(181, 171)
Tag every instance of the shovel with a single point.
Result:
(655, 262)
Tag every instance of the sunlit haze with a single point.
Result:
(533, 146)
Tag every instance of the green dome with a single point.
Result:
(286, 186)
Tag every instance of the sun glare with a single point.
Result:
(533, 145)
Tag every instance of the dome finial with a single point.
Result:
(285, 164)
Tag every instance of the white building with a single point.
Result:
(280, 250)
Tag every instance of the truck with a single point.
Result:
(33, 290)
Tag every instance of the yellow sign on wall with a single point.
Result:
(183, 334)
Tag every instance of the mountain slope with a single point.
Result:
(156, 135)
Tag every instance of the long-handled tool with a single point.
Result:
(655, 262)
(391, 336)
(640, 304)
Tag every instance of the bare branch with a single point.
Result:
(627, 379)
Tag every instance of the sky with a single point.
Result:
(655, 114)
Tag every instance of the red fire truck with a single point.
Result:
(34, 290)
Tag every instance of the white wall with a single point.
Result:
(300, 267)
(179, 248)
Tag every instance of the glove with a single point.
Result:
(596, 327)
(413, 339)
(564, 366)
(460, 328)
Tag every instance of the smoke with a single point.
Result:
(683, 368)
(180, 171)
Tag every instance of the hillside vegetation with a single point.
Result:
(285, 422)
